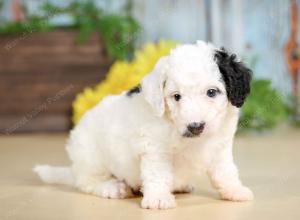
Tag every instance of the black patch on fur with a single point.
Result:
(135, 90)
(236, 76)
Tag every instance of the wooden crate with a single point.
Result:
(40, 74)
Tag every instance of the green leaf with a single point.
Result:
(264, 107)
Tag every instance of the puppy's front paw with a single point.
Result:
(238, 194)
(162, 201)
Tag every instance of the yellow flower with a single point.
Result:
(121, 76)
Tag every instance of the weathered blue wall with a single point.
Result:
(267, 30)
(261, 25)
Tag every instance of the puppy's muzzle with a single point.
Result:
(196, 128)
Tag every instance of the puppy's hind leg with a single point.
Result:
(184, 189)
(101, 183)
(113, 189)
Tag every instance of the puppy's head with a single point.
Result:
(194, 87)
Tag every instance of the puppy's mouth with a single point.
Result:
(188, 134)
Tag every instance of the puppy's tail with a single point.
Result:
(58, 175)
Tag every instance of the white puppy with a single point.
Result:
(157, 137)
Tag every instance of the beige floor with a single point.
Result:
(269, 164)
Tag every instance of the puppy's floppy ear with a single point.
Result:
(152, 87)
(236, 76)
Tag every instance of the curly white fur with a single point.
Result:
(137, 142)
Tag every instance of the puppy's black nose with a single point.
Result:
(196, 128)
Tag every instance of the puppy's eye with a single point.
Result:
(212, 93)
(177, 97)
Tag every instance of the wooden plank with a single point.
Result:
(56, 100)
(35, 71)
(67, 72)
(41, 123)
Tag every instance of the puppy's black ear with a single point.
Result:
(236, 76)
